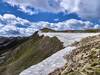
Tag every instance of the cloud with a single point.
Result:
(28, 10)
(70, 5)
(73, 24)
(10, 25)
(43, 5)
(84, 8)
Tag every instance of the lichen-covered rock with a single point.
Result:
(84, 64)
(84, 60)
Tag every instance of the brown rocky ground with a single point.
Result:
(84, 60)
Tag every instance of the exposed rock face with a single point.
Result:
(10, 43)
(84, 60)
(19, 53)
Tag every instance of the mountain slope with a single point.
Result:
(84, 60)
(31, 51)
(57, 59)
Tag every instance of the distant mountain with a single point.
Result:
(47, 30)
(70, 31)
(17, 54)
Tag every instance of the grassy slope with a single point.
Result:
(28, 53)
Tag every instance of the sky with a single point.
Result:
(54, 14)
(36, 15)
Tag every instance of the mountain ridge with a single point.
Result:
(31, 51)
(71, 31)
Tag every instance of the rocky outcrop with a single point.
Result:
(20, 53)
(10, 43)
(84, 60)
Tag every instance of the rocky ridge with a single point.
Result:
(18, 53)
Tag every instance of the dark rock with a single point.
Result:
(7, 43)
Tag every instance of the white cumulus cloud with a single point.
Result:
(10, 25)
(84, 8)
(44, 5)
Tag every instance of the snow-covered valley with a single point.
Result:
(56, 60)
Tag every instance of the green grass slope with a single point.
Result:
(31, 52)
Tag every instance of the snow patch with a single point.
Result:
(56, 60)
(69, 38)
(50, 64)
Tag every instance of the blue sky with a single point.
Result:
(23, 17)
(41, 16)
